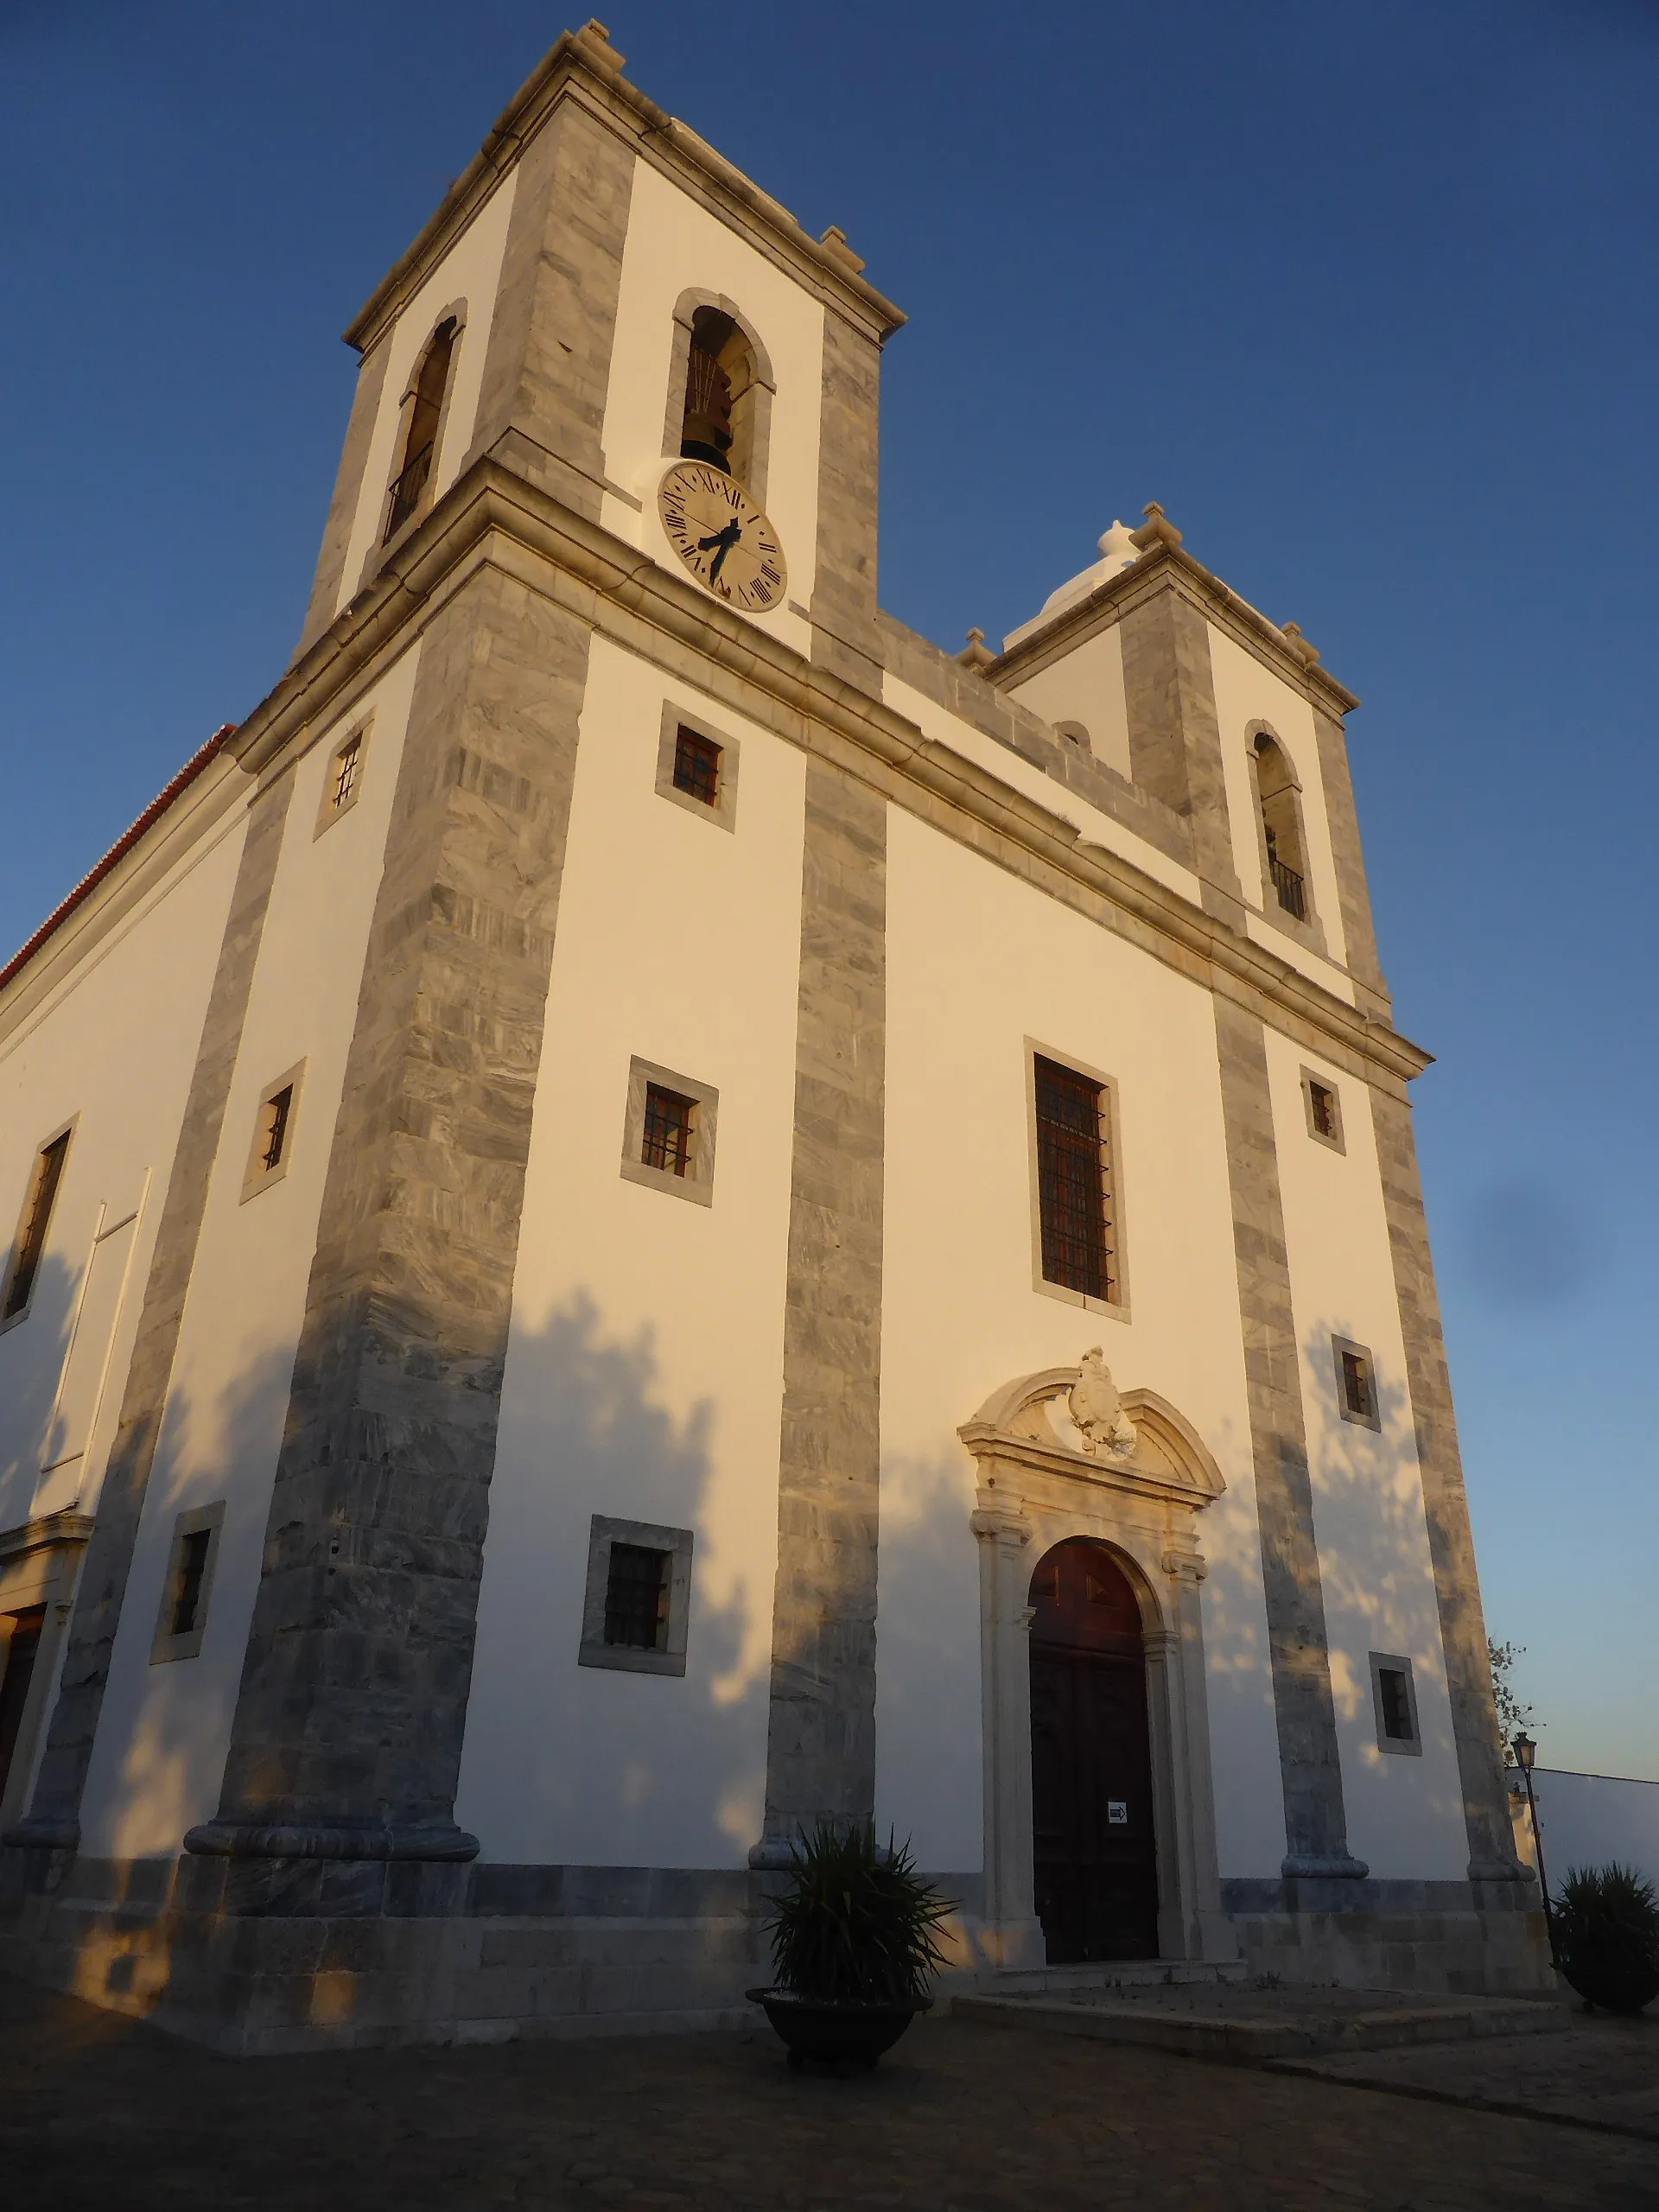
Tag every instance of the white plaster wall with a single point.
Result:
(674, 244)
(1246, 692)
(1587, 1819)
(1059, 799)
(976, 962)
(471, 270)
(644, 1372)
(1405, 1815)
(159, 1754)
(1087, 687)
(115, 1047)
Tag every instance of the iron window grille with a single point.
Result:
(1291, 890)
(31, 1241)
(347, 762)
(1323, 1106)
(407, 487)
(696, 765)
(277, 1109)
(636, 1598)
(667, 1130)
(1074, 1181)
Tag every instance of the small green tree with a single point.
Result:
(1512, 1715)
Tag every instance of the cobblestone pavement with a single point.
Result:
(95, 2110)
(1598, 2070)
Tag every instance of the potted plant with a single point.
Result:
(1607, 1936)
(854, 1945)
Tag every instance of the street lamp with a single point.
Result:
(1525, 1752)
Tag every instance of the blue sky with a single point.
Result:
(1363, 294)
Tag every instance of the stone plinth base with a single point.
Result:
(1463, 1938)
(255, 1957)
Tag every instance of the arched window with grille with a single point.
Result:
(425, 416)
(720, 406)
(1278, 796)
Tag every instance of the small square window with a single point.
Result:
(1356, 1384)
(668, 1133)
(1322, 1103)
(273, 1132)
(28, 1248)
(188, 1591)
(343, 781)
(636, 1612)
(1394, 1701)
(697, 766)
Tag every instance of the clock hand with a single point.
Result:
(721, 544)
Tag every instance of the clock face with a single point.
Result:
(722, 536)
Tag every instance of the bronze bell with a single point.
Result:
(707, 433)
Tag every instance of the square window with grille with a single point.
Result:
(636, 1610)
(1394, 1701)
(273, 1132)
(1322, 1103)
(667, 1140)
(696, 765)
(668, 1131)
(29, 1248)
(1074, 1180)
(187, 1591)
(1356, 1384)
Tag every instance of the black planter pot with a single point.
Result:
(844, 2035)
(1615, 1986)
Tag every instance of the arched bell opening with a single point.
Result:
(1278, 796)
(1094, 1828)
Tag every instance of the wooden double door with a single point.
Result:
(1094, 1852)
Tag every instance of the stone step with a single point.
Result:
(1114, 1973)
(1250, 2027)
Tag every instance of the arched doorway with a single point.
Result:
(1094, 1850)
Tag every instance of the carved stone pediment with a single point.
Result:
(1074, 1420)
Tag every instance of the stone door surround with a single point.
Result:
(1050, 1467)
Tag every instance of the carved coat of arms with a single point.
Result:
(1097, 1412)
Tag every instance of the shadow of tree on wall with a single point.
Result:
(587, 1763)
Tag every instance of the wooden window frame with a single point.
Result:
(697, 1183)
(64, 1135)
(195, 1522)
(1118, 1307)
(631, 1658)
(258, 1177)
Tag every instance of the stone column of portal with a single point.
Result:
(1310, 1770)
(1210, 1935)
(55, 1814)
(1445, 1505)
(1006, 1614)
(821, 1730)
(347, 1736)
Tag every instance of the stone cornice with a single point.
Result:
(492, 515)
(53, 1532)
(579, 67)
(1158, 569)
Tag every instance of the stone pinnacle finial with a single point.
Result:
(975, 654)
(1155, 530)
(834, 242)
(1305, 652)
(596, 36)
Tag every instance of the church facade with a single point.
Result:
(650, 1212)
